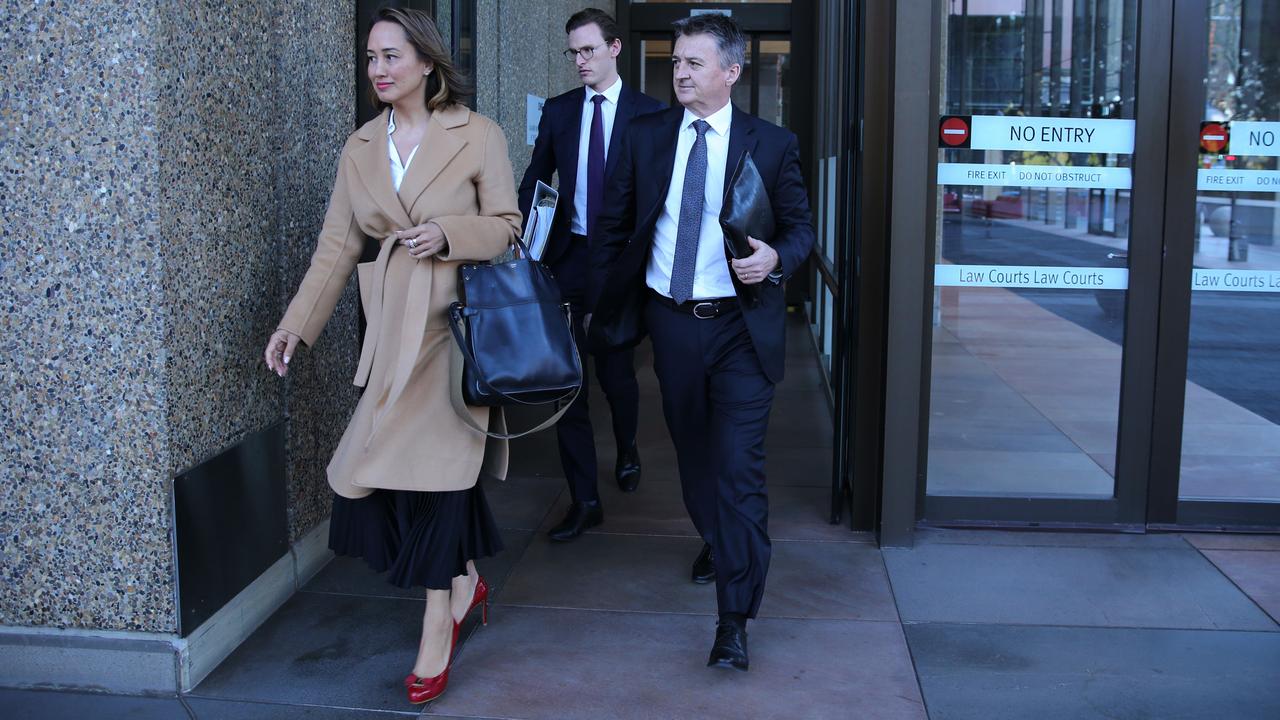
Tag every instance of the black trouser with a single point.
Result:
(616, 373)
(716, 400)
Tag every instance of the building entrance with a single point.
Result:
(1101, 208)
(779, 83)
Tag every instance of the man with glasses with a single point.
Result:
(576, 137)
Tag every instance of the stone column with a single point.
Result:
(164, 168)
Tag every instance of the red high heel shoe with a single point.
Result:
(479, 597)
(427, 689)
(423, 690)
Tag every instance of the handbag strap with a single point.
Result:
(460, 405)
(461, 355)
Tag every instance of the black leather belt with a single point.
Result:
(701, 309)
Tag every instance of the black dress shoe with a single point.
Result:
(730, 650)
(627, 469)
(581, 516)
(704, 567)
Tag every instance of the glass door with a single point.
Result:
(1102, 345)
(1036, 138)
(1228, 468)
(798, 75)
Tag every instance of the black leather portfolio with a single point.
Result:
(746, 210)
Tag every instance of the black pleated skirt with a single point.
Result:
(423, 538)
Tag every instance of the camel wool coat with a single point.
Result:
(405, 433)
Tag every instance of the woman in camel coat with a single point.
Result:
(431, 182)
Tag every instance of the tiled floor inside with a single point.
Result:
(968, 624)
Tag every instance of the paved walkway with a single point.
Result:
(969, 624)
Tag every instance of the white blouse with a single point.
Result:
(397, 168)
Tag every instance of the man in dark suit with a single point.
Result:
(717, 325)
(577, 137)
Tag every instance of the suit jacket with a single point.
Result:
(404, 433)
(556, 150)
(633, 200)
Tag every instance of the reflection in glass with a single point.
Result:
(827, 138)
(741, 92)
(655, 70)
(1024, 397)
(1231, 424)
(775, 66)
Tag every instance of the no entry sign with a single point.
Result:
(1214, 137)
(1036, 134)
(953, 131)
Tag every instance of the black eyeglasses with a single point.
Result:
(587, 52)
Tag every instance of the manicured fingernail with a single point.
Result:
(286, 359)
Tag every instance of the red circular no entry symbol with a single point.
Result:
(1213, 137)
(954, 131)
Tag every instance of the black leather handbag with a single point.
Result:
(514, 333)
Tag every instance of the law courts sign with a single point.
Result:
(1030, 276)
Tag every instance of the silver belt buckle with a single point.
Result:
(710, 307)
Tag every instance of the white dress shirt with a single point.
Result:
(711, 277)
(397, 168)
(609, 108)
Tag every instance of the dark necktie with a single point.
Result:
(690, 227)
(595, 162)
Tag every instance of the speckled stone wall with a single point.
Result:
(84, 529)
(262, 100)
(311, 127)
(518, 52)
(488, 79)
(444, 21)
(164, 172)
(215, 108)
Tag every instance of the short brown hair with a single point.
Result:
(608, 26)
(445, 86)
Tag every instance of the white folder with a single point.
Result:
(542, 212)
